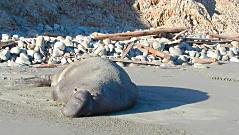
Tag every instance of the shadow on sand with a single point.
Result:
(155, 98)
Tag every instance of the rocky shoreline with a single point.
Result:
(148, 49)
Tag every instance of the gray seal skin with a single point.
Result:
(92, 86)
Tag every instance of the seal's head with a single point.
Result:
(80, 104)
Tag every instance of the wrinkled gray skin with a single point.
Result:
(92, 86)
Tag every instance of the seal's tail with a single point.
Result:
(39, 81)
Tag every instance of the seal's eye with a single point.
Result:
(75, 89)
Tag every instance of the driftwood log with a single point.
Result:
(234, 38)
(136, 62)
(155, 52)
(204, 61)
(127, 35)
(7, 44)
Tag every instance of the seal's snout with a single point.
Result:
(78, 105)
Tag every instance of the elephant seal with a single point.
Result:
(92, 86)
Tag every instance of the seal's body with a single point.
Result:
(93, 86)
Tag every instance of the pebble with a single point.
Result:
(59, 45)
(234, 59)
(39, 41)
(30, 53)
(222, 50)
(64, 61)
(23, 59)
(235, 50)
(192, 53)
(158, 46)
(230, 54)
(175, 51)
(5, 55)
(140, 57)
(57, 53)
(15, 50)
(37, 58)
(212, 54)
(68, 42)
(31, 46)
(5, 38)
(20, 44)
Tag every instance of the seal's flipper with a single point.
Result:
(39, 81)
(80, 104)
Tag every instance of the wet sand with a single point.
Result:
(172, 101)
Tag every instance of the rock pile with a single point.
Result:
(17, 50)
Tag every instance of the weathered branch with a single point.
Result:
(7, 44)
(234, 38)
(155, 52)
(204, 61)
(127, 50)
(136, 62)
(101, 36)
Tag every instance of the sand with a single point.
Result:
(172, 101)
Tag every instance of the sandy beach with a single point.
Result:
(172, 101)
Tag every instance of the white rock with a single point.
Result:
(23, 59)
(222, 50)
(37, 58)
(47, 38)
(20, 44)
(69, 38)
(212, 54)
(150, 58)
(31, 46)
(64, 61)
(119, 45)
(57, 53)
(5, 55)
(141, 57)
(225, 58)
(15, 37)
(59, 45)
(86, 43)
(230, 54)
(30, 53)
(235, 50)
(175, 51)
(39, 41)
(81, 48)
(68, 42)
(203, 55)
(15, 50)
(69, 60)
(234, 59)
(158, 46)
(5, 37)
(111, 47)
(118, 50)
(106, 41)
(182, 59)
(192, 53)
